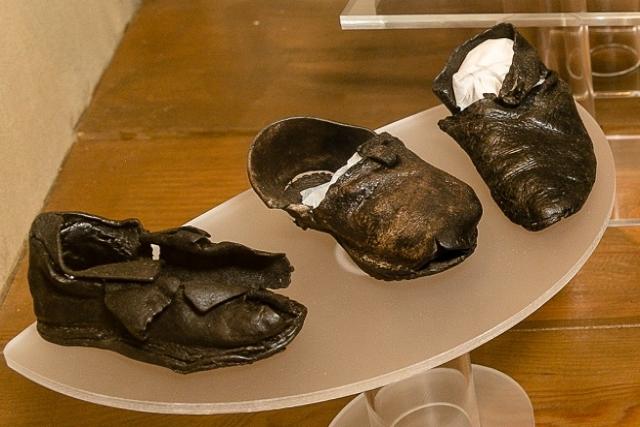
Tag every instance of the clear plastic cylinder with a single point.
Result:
(441, 397)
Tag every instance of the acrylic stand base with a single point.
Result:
(454, 394)
(360, 333)
(501, 402)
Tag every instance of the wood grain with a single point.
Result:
(605, 291)
(28, 404)
(166, 137)
(574, 377)
(626, 153)
(202, 67)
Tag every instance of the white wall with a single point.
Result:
(52, 54)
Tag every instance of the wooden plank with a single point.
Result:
(28, 404)
(201, 67)
(577, 377)
(164, 183)
(604, 292)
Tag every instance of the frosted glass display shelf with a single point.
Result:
(389, 14)
(360, 333)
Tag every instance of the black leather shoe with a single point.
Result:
(200, 305)
(527, 141)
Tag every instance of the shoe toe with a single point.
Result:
(245, 322)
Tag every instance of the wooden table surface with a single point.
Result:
(166, 138)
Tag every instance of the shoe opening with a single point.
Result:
(446, 257)
(86, 244)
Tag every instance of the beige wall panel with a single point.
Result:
(52, 55)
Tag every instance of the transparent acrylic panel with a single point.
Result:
(602, 66)
(615, 61)
(361, 14)
(619, 117)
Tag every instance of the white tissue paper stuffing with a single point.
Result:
(313, 196)
(482, 71)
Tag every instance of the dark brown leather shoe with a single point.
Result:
(200, 305)
(397, 216)
(527, 141)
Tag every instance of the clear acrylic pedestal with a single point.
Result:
(443, 397)
(360, 333)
